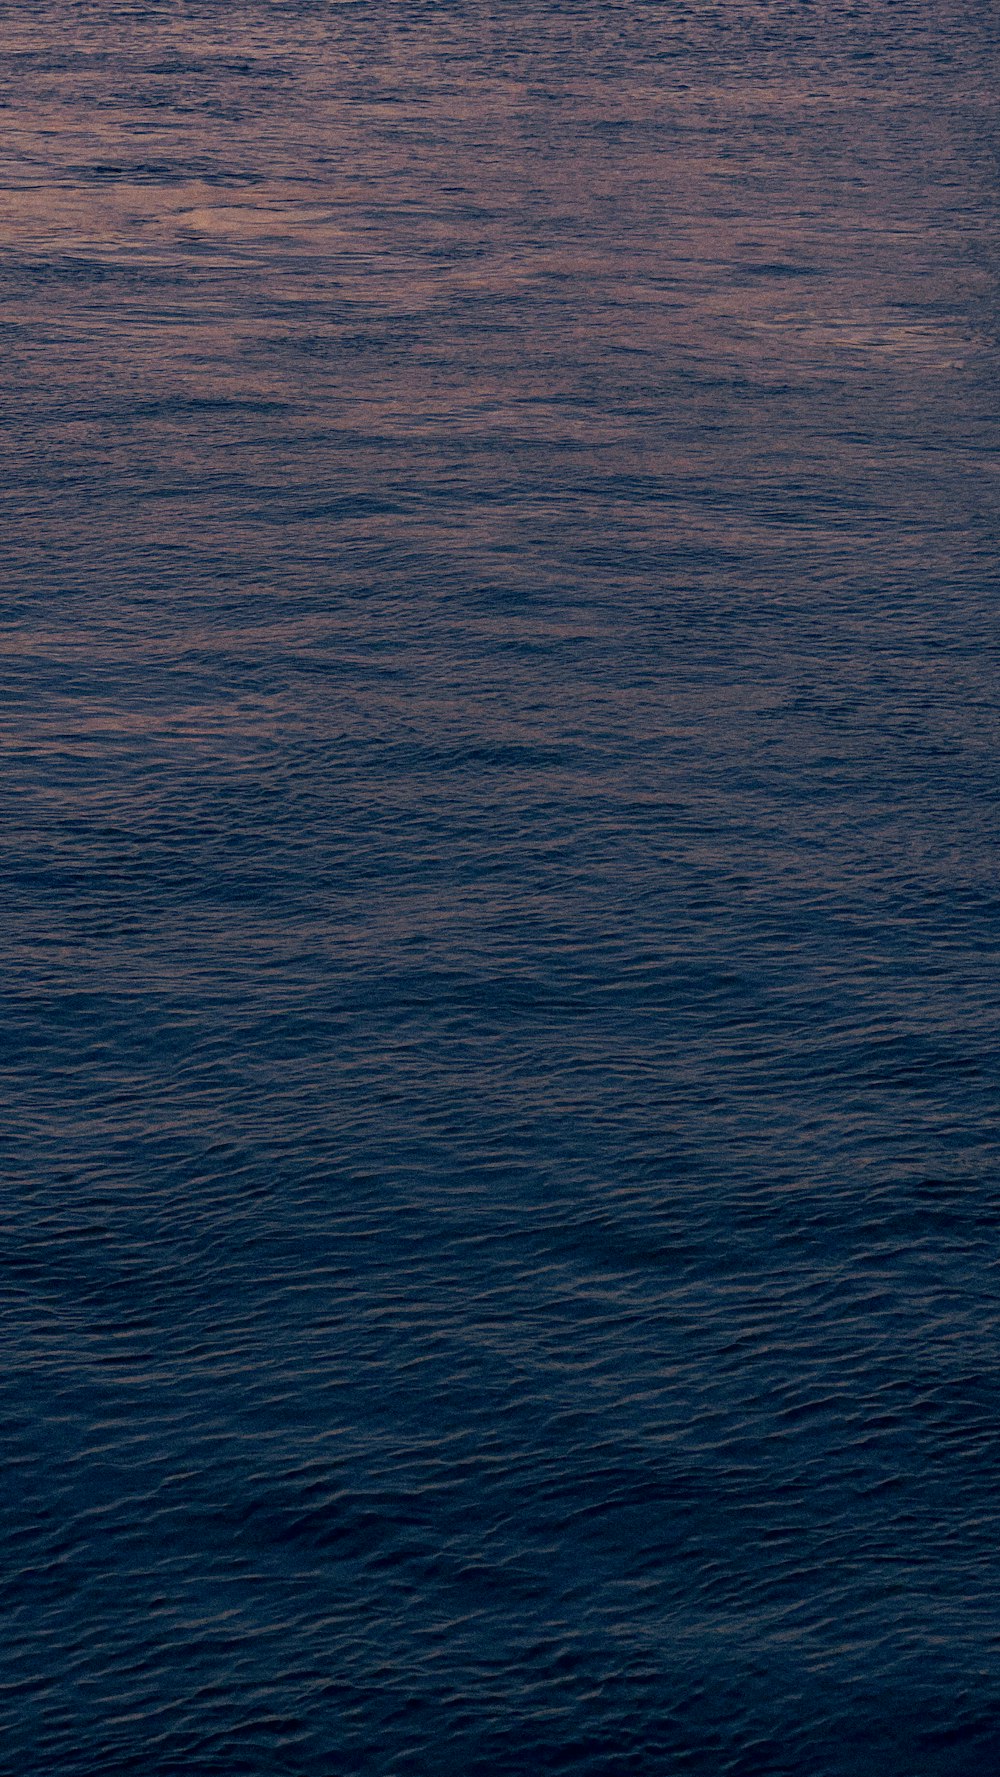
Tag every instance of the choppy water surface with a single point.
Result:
(499, 741)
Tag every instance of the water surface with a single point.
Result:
(499, 738)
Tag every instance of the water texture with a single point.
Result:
(499, 734)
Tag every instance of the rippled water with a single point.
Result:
(499, 735)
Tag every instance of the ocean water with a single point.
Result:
(500, 1220)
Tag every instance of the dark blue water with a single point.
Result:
(501, 1232)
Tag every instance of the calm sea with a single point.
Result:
(500, 1224)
